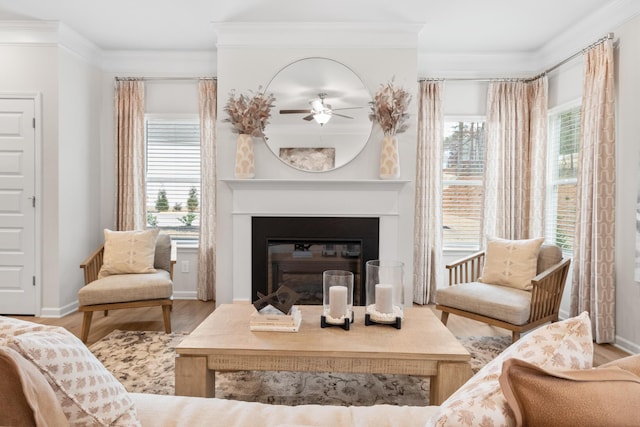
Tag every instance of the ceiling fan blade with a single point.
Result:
(347, 108)
(294, 111)
(341, 115)
(308, 118)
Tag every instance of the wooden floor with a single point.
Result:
(187, 314)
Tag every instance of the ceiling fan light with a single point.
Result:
(322, 117)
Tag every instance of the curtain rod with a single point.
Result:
(601, 40)
(164, 78)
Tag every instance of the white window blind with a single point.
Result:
(462, 169)
(564, 136)
(173, 175)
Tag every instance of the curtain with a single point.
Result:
(593, 282)
(427, 250)
(207, 95)
(130, 153)
(515, 157)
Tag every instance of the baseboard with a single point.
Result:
(621, 343)
(185, 295)
(58, 312)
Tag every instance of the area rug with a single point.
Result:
(144, 363)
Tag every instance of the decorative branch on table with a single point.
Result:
(249, 113)
(389, 108)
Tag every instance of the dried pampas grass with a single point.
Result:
(249, 113)
(389, 108)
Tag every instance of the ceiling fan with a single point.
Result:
(320, 112)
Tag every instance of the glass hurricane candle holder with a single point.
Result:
(385, 293)
(337, 299)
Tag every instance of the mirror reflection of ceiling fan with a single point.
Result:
(320, 112)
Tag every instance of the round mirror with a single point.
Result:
(320, 121)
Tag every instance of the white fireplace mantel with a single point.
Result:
(319, 198)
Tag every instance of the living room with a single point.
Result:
(75, 182)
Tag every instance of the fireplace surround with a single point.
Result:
(294, 251)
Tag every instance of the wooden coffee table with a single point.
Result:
(223, 342)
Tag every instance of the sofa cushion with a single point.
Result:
(498, 302)
(511, 262)
(178, 411)
(566, 344)
(127, 287)
(26, 399)
(88, 393)
(584, 397)
(128, 252)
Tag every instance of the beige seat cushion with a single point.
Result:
(127, 287)
(511, 262)
(128, 252)
(498, 302)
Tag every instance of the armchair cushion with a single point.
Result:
(587, 397)
(128, 252)
(511, 263)
(510, 305)
(127, 287)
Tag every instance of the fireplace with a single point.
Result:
(294, 252)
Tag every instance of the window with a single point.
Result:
(173, 175)
(564, 135)
(462, 173)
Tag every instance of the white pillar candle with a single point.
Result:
(384, 298)
(337, 301)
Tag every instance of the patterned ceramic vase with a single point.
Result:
(389, 158)
(244, 157)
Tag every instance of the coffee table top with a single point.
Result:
(422, 336)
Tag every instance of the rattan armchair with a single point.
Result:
(513, 309)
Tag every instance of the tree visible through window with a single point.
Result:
(564, 136)
(463, 169)
(173, 175)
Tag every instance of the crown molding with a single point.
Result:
(169, 62)
(341, 35)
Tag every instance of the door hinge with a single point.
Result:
(34, 280)
(34, 122)
(33, 201)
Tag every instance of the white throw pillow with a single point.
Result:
(128, 252)
(562, 345)
(511, 263)
(88, 393)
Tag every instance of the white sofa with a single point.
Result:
(47, 375)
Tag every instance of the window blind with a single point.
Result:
(173, 173)
(564, 140)
(462, 169)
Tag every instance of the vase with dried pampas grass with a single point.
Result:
(249, 115)
(389, 109)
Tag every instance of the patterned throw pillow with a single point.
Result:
(88, 393)
(562, 345)
(10, 327)
(511, 263)
(128, 252)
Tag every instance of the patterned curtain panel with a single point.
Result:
(514, 180)
(130, 180)
(207, 94)
(593, 283)
(427, 250)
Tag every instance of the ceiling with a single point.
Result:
(452, 26)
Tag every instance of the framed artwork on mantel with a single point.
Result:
(309, 159)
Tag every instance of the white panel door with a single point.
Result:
(17, 207)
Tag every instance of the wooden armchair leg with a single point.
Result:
(166, 313)
(86, 325)
(444, 317)
(106, 312)
(515, 336)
